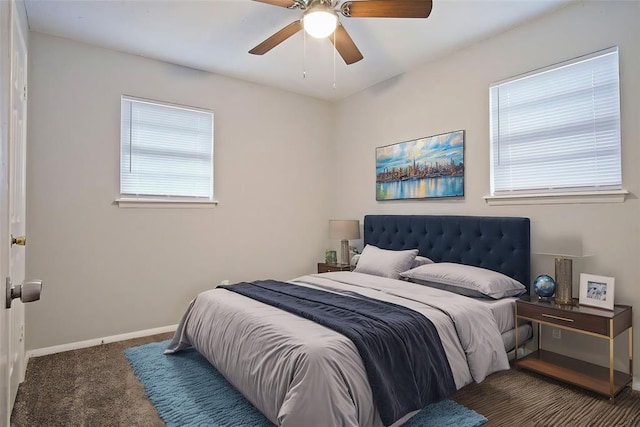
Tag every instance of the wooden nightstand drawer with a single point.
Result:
(565, 317)
(327, 268)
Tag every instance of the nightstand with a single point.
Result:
(323, 267)
(584, 320)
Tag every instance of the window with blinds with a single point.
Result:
(165, 151)
(558, 129)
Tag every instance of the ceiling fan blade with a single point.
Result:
(345, 46)
(387, 9)
(281, 3)
(277, 38)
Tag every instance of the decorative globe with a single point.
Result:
(544, 286)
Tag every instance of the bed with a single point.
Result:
(298, 372)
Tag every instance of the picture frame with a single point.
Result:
(423, 168)
(597, 291)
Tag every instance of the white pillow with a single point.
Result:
(381, 262)
(417, 262)
(465, 280)
(421, 260)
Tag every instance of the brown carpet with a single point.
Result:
(89, 387)
(96, 387)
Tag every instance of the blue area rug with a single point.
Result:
(187, 391)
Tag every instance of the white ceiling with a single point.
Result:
(216, 35)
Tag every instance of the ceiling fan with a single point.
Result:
(320, 20)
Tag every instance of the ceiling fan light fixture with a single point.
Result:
(320, 22)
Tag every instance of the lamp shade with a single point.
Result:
(344, 229)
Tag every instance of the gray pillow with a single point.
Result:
(381, 262)
(417, 262)
(465, 280)
(420, 260)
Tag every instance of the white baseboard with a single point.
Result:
(97, 341)
(636, 383)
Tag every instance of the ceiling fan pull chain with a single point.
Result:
(304, 54)
(334, 61)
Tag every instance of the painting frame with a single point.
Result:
(597, 291)
(430, 167)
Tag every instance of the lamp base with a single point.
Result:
(344, 252)
(564, 275)
(564, 301)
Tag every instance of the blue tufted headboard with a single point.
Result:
(496, 243)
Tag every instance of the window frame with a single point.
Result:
(611, 194)
(165, 201)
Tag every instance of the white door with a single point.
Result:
(17, 201)
(5, 320)
(12, 205)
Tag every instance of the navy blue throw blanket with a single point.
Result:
(402, 353)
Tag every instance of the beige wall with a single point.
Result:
(110, 270)
(452, 93)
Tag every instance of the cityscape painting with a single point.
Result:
(421, 168)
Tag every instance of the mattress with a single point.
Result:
(509, 338)
(503, 310)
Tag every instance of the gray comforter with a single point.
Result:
(297, 372)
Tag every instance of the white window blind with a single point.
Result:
(558, 129)
(166, 150)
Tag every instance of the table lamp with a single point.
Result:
(344, 230)
(563, 278)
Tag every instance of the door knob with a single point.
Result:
(27, 291)
(20, 240)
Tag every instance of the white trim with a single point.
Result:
(165, 104)
(602, 52)
(125, 202)
(97, 341)
(581, 197)
(636, 384)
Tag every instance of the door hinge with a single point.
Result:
(25, 92)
